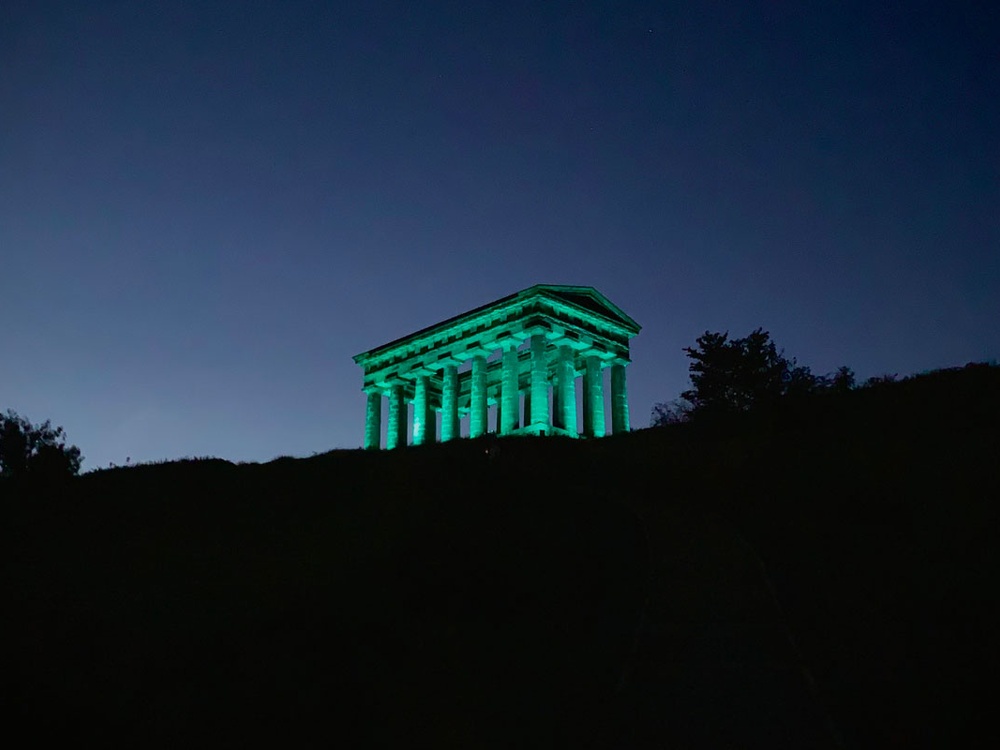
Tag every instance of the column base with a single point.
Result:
(542, 430)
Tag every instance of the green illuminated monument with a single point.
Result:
(529, 345)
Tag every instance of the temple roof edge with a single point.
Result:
(589, 303)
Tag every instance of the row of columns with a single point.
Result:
(536, 399)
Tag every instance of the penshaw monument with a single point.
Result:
(529, 347)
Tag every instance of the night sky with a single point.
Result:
(206, 208)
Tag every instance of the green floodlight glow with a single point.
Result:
(546, 337)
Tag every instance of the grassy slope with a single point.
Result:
(821, 578)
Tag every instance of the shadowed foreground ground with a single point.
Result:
(822, 578)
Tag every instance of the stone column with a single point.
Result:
(478, 411)
(449, 404)
(397, 418)
(424, 425)
(420, 410)
(539, 383)
(619, 400)
(373, 421)
(509, 402)
(593, 399)
(565, 404)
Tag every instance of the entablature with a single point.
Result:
(506, 323)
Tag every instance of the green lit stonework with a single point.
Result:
(564, 400)
(422, 414)
(619, 400)
(510, 396)
(397, 417)
(449, 403)
(373, 420)
(546, 337)
(479, 416)
(593, 398)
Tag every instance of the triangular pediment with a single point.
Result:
(591, 300)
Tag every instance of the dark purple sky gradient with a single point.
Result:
(206, 208)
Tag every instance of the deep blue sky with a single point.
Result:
(206, 208)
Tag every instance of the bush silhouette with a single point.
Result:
(737, 375)
(38, 451)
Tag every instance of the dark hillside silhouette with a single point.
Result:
(820, 575)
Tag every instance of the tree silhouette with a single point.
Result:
(736, 375)
(670, 412)
(843, 379)
(730, 376)
(28, 450)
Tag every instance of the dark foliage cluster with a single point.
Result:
(35, 451)
(738, 375)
